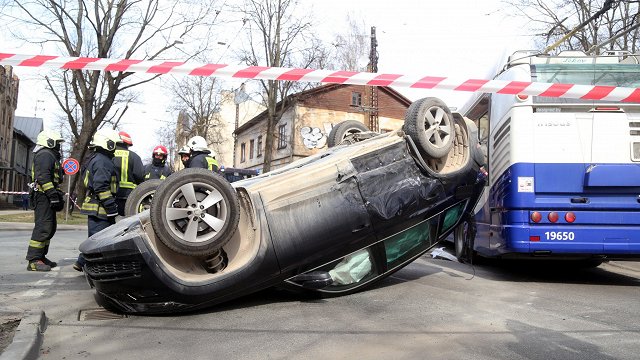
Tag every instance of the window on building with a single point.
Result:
(356, 99)
(251, 144)
(282, 136)
(259, 148)
(243, 152)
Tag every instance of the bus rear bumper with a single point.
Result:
(610, 241)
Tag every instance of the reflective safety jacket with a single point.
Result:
(129, 171)
(156, 172)
(46, 171)
(99, 176)
(204, 161)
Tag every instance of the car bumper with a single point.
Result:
(129, 276)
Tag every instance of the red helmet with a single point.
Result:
(126, 138)
(160, 150)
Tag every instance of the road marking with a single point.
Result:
(44, 282)
(33, 293)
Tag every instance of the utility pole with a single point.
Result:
(373, 90)
(239, 96)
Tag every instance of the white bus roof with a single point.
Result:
(571, 57)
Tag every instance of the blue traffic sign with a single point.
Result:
(70, 166)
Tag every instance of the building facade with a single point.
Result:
(309, 117)
(25, 134)
(9, 84)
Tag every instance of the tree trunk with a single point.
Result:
(268, 143)
(79, 152)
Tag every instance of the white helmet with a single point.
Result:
(185, 150)
(197, 143)
(49, 138)
(106, 139)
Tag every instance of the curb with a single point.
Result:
(621, 265)
(12, 226)
(28, 337)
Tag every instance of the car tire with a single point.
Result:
(460, 238)
(140, 198)
(195, 212)
(343, 129)
(430, 124)
(463, 239)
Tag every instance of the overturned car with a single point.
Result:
(332, 223)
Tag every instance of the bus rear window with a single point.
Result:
(626, 75)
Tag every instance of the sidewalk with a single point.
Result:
(11, 212)
(29, 225)
(12, 226)
(631, 265)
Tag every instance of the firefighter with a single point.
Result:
(201, 156)
(129, 170)
(99, 176)
(47, 199)
(158, 169)
(185, 154)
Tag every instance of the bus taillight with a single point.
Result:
(553, 216)
(536, 217)
(570, 217)
(522, 97)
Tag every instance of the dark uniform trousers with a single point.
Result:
(100, 180)
(96, 224)
(44, 229)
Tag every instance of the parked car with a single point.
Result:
(232, 174)
(333, 223)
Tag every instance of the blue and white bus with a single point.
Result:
(563, 174)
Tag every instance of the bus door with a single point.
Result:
(479, 113)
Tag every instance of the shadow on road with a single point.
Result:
(557, 344)
(544, 270)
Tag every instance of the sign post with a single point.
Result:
(70, 167)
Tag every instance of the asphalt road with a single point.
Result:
(432, 309)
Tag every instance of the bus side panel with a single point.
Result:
(504, 225)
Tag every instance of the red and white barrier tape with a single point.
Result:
(24, 192)
(587, 92)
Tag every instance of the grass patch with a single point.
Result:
(27, 217)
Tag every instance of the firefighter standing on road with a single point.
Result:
(99, 176)
(129, 170)
(46, 176)
(201, 156)
(158, 169)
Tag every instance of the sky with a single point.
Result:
(462, 39)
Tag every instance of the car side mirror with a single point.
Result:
(313, 280)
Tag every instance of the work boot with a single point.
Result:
(77, 266)
(38, 265)
(52, 264)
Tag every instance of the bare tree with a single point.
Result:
(167, 136)
(127, 29)
(582, 24)
(198, 99)
(278, 38)
(351, 47)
